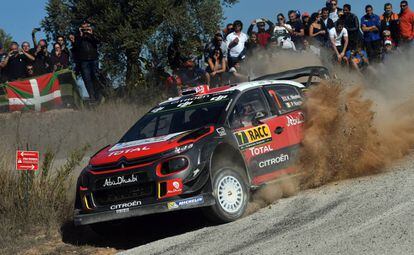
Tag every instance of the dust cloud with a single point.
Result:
(356, 125)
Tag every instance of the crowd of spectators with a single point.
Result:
(332, 33)
(22, 61)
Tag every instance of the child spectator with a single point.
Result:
(252, 44)
(263, 35)
(236, 43)
(371, 25)
(339, 40)
(406, 23)
(389, 22)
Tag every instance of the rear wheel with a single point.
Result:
(231, 194)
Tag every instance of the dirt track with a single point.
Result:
(371, 215)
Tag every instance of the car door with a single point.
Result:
(260, 135)
(286, 122)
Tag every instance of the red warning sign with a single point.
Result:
(27, 160)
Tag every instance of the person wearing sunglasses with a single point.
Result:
(281, 29)
(406, 23)
(216, 42)
(334, 11)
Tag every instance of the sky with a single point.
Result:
(19, 18)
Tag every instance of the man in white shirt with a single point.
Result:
(339, 40)
(334, 12)
(236, 43)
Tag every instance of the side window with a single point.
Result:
(284, 99)
(246, 108)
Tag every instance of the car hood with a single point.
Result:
(142, 148)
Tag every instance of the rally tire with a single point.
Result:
(231, 194)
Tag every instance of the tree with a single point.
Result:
(5, 39)
(137, 32)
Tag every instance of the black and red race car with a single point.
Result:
(207, 148)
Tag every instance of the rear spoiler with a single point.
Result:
(310, 71)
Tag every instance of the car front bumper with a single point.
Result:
(162, 207)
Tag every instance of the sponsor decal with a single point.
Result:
(188, 202)
(253, 136)
(196, 172)
(294, 121)
(122, 210)
(174, 187)
(125, 205)
(221, 131)
(290, 97)
(158, 139)
(138, 149)
(120, 180)
(157, 109)
(260, 150)
(274, 161)
(219, 98)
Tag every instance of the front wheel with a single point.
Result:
(231, 194)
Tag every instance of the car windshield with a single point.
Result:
(179, 116)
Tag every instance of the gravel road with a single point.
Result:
(370, 215)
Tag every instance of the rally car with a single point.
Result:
(207, 148)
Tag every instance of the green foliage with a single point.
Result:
(5, 39)
(135, 33)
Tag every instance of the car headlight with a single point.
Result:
(173, 165)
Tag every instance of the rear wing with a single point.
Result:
(310, 72)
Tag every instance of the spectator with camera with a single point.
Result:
(41, 62)
(15, 63)
(86, 47)
(263, 35)
(236, 43)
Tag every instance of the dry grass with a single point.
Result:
(36, 203)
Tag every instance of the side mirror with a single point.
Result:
(257, 118)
